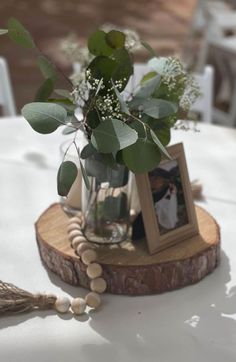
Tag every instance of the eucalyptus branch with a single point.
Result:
(145, 125)
(55, 65)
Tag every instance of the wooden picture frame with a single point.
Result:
(158, 237)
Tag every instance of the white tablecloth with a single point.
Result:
(197, 323)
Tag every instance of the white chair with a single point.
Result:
(6, 96)
(204, 104)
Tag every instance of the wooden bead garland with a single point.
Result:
(93, 300)
(78, 305)
(88, 256)
(77, 240)
(94, 270)
(73, 226)
(98, 285)
(62, 304)
(16, 300)
(82, 247)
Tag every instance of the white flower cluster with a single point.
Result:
(191, 93)
(174, 74)
(177, 80)
(93, 83)
(109, 105)
(80, 90)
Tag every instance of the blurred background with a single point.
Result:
(200, 32)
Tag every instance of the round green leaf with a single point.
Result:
(102, 67)
(44, 117)
(159, 108)
(65, 177)
(124, 68)
(97, 44)
(113, 135)
(142, 156)
(19, 34)
(148, 87)
(87, 151)
(115, 39)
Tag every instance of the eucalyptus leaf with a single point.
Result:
(98, 45)
(64, 93)
(93, 118)
(136, 103)
(66, 176)
(148, 47)
(65, 103)
(148, 76)
(113, 135)
(85, 176)
(160, 145)
(3, 31)
(164, 135)
(44, 117)
(69, 130)
(47, 68)
(45, 90)
(115, 39)
(88, 151)
(99, 86)
(19, 34)
(148, 87)
(124, 68)
(159, 108)
(142, 156)
(161, 129)
(123, 105)
(139, 128)
(102, 67)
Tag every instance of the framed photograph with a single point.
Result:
(166, 201)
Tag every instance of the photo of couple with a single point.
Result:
(168, 196)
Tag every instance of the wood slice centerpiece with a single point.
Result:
(128, 268)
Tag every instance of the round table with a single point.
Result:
(188, 325)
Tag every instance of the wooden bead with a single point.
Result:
(88, 256)
(94, 270)
(76, 220)
(77, 240)
(82, 247)
(78, 305)
(93, 300)
(98, 285)
(74, 233)
(62, 304)
(73, 226)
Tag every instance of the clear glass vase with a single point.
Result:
(107, 218)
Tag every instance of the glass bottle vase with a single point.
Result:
(107, 216)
